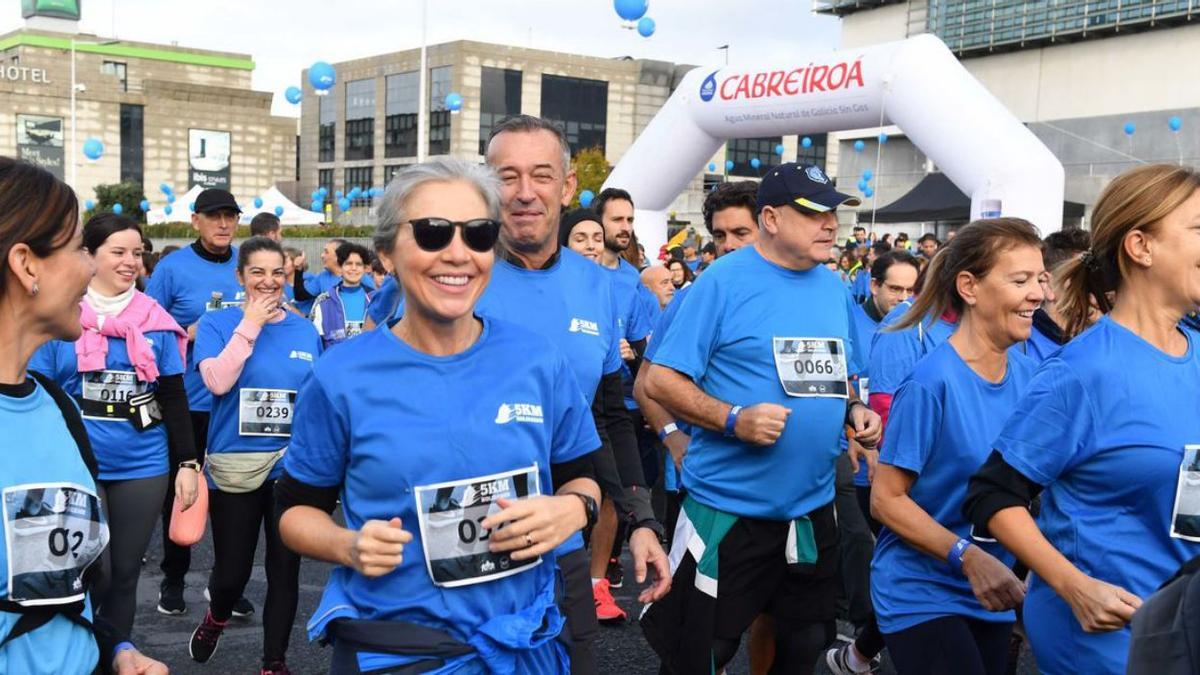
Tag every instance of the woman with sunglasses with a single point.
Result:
(253, 359)
(440, 435)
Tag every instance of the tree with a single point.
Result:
(128, 194)
(591, 169)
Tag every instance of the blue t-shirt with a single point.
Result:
(944, 419)
(743, 316)
(866, 328)
(893, 354)
(324, 280)
(670, 474)
(1102, 429)
(184, 283)
(860, 285)
(368, 422)
(122, 452)
(385, 300)
(283, 356)
(1039, 347)
(633, 321)
(44, 476)
(354, 303)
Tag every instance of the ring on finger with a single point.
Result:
(528, 539)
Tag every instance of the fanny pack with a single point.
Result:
(142, 410)
(238, 472)
(431, 647)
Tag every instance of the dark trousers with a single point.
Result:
(950, 645)
(869, 641)
(857, 547)
(576, 603)
(131, 515)
(236, 519)
(177, 560)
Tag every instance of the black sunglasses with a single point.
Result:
(435, 234)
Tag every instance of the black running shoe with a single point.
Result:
(205, 638)
(241, 609)
(170, 599)
(615, 573)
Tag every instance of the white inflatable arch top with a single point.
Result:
(916, 84)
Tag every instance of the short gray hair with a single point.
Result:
(444, 169)
(529, 124)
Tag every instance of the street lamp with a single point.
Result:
(77, 87)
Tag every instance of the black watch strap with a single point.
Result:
(589, 507)
(652, 525)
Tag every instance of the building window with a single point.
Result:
(325, 180)
(500, 97)
(580, 107)
(814, 154)
(400, 123)
(742, 150)
(360, 119)
(117, 70)
(359, 177)
(326, 137)
(390, 172)
(439, 116)
(131, 143)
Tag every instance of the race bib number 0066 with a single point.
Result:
(811, 366)
(451, 516)
(52, 532)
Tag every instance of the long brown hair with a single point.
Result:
(974, 249)
(1135, 200)
(36, 209)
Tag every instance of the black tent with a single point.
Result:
(936, 198)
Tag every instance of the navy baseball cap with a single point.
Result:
(805, 188)
(216, 199)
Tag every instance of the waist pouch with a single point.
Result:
(430, 646)
(141, 410)
(238, 472)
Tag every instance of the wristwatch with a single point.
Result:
(668, 429)
(589, 507)
(190, 464)
(654, 526)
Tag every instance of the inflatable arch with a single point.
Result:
(916, 84)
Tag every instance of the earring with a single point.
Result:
(1146, 260)
(34, 291)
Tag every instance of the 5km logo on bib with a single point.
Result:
(520, 412)
(811, 366)
(584, 326)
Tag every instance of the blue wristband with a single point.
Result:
(731, 420)
(122, 646)
(955, 556)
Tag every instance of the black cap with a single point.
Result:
(805, 188)
(215, 199)
(572, 218)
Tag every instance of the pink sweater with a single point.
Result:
(221, 372)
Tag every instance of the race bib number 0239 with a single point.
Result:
(266, 412)
(52, 533)
(451, 516)
(811, 366)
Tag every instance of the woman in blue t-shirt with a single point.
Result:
(126, 372)
(1107, 431)
(460, 448)
(943, 594)
(253, 359)
(53, 526)
(341, 312)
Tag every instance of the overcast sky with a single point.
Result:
(285, 36)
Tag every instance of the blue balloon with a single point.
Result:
(117, 208)
(337, 195)
(806, 142)
(586, 197)
(1175, 123)
(859, 146)
(712, 166)
(355, 193)
(89, 204)
(258, 202)
(755, 163)
(454, 101)
(631, 10)
(344, 204)
(317, 205)
(167, 209)
(322, 76)
(164, 188)
(170, 198)
(93, 149)
(729, 165)
(293, 95)
(883, 138)
(779, 149)
(316, 194)
(323, 190)
(144, 205)
(863, 185)
(868, 192)
(646, 27)
(868, 174)
(1130, 127)
(192, 207)
(278, 210)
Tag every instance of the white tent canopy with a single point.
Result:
(181, 211)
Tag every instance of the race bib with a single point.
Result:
(1185, 516)
(266, 412)
(52, 532)
(111, 386)
(354, 328)
(456, 544)
(811, 366)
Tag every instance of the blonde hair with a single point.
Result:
(1135, 200)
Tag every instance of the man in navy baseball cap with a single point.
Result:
(803, 187)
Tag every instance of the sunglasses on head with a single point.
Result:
(435, 234)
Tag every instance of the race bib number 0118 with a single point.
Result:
(811, 366)
(266, 412)
(451, 516)
(52, 533)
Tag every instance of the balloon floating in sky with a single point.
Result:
(192, 207)
(863, 185)
(755, 163)
(93, 149)
(117, 208)
(586, 197)
(454, 101)
(164, 188)
(278, 210)
(729, 165)
(631, 10)
(869, 192)
(344, 204)
(293, 95)
(779, 149)
(322, 77)
(806, 142)
(646, 27)
(1175, 123)
(712, 166)
(1130, 127)
(89, 204)
(868, 174)
(170, 198)
(167, 209)
(258, 202)
(317, 205)
(883, 138)
(859, 146)
(144, 205)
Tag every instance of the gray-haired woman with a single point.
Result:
(459, 447)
